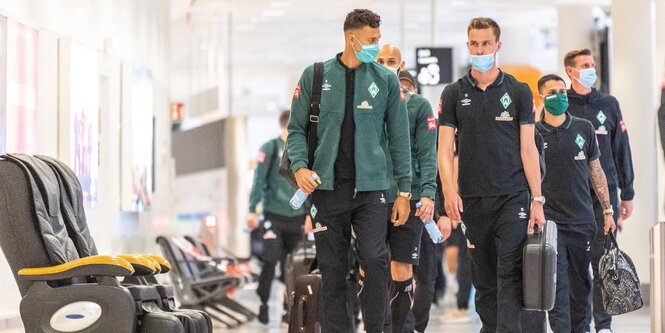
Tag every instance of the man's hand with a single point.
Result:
(454, 206)
(401, 210)
(609, 224)
(308, 224)
(537, 216)
(455, 224)
(252, 221)
(305, 181)
(446, 226)
(625, 209)
(426, 210)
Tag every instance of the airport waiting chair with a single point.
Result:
(231, 265)
(63, 291)
(200, 284)
(147, 292)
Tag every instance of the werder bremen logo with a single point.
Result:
(601, 117)
(373, 89)
(505, 100)
(580, 141)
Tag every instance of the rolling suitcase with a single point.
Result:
(539, 268)
(299, 262)
(307, 304)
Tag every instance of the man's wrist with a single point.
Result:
(608, 211)
(405, 195)
(538, 199)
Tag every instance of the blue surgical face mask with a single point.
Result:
(367, 52)
(482, 63)
(587, 77)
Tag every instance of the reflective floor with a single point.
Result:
(636, 322)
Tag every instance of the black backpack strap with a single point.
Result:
(314, 108)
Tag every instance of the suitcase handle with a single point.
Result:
(301, 311)
(542, 264)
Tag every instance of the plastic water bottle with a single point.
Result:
(299, 197)
(432, 229)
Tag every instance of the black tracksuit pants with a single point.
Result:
(337, 212)
(280, 237)
(496, 228)
(424, 274)
(463, 268)
(573, 281)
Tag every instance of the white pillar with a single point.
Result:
(632, 76)
(235, 150)
(574, 31)
(659, 77)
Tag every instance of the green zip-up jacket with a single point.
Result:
(422, 127)
(269, 186)
(379, 115)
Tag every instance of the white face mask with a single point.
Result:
(394, 70)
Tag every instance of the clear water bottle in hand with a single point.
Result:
(299, 197)
(432, 229)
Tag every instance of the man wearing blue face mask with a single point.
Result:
(361, 108)
(572, 159)
(499, 193)
(603, 112)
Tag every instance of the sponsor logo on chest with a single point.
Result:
(505, 116)
(580, 156)
(364, 106)
(601, 130)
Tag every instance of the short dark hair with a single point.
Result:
(360, 18)
(284, 118)
(546, 78)
(569, 59)
(480, 23)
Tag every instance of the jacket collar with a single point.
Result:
(590, 98)
(496, 83)
(565, 125)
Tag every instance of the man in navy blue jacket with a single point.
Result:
(604, 113)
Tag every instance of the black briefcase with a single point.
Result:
(539, 268)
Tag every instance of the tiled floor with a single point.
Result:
(636, 322)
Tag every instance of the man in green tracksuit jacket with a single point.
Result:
(282, 225)
(404, 241)
(361, 107)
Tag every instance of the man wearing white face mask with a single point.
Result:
(498, 194)
(404, 241)
(604, 113)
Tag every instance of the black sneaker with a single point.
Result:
(263, 314)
